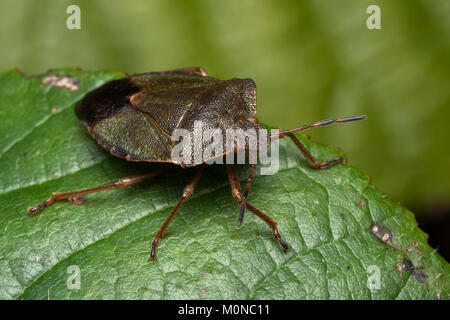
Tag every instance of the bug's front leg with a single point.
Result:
(313, 161)
(316, 164)
(187, 191)
(237, 195)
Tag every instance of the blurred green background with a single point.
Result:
(311, 60)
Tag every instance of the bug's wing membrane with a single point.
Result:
(119, 127)
(130, 134)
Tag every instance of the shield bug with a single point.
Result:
(135, 118)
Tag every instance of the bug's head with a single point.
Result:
(245, 95)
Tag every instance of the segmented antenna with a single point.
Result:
(317, 124)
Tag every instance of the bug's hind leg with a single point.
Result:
(237, 195)
(123, 182)
(316, 164)
(187, 191)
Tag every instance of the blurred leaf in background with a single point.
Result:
(311, 60)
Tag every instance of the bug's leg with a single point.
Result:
(237, 195)
(316, 164)
(245, 195)
(194, 70)
(313, 161)
(187, 191)
(123, 182)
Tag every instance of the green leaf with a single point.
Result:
(325, 215)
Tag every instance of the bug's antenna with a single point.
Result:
(317, 124)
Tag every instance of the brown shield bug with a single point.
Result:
(135, 117)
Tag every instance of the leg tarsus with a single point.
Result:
(241, 212)
(271, 223)
(155, 244)
(329, 163)
(32, 211)
(237, 195)
(277, 235)
(245, 195)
